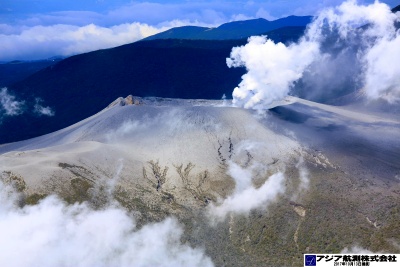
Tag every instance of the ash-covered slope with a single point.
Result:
(161, 129)
(251, 188)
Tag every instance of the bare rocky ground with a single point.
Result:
(164, 157)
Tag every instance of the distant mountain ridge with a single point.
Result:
(14, 71)
(232, 30)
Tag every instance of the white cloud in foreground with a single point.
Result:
(53, 234)
(335, 39)
(9, 105)
(40, 42)
(246, 197)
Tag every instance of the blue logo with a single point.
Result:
(310, 260)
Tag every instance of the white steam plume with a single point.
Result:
(382, 77)
(53, 234)
(345, 48)
(271, 69)
(126, 128)
(246, 197)
(9, 105)
(172, 122)
(41, 110)
(303, 177)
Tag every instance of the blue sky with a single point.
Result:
(34, 29)
(114, 12)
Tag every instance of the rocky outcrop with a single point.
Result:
(129, 100)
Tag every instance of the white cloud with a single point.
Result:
(239, 17)
(155, 13)
(7, 29)
(41, 110)
(246, 197)
(109, 13)
(382, 75)
(9, 104)
(53, 234)
(179, 23)
(262, 13)
(334, 39)
(70, 29)
(40, 42)
(66, 33)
